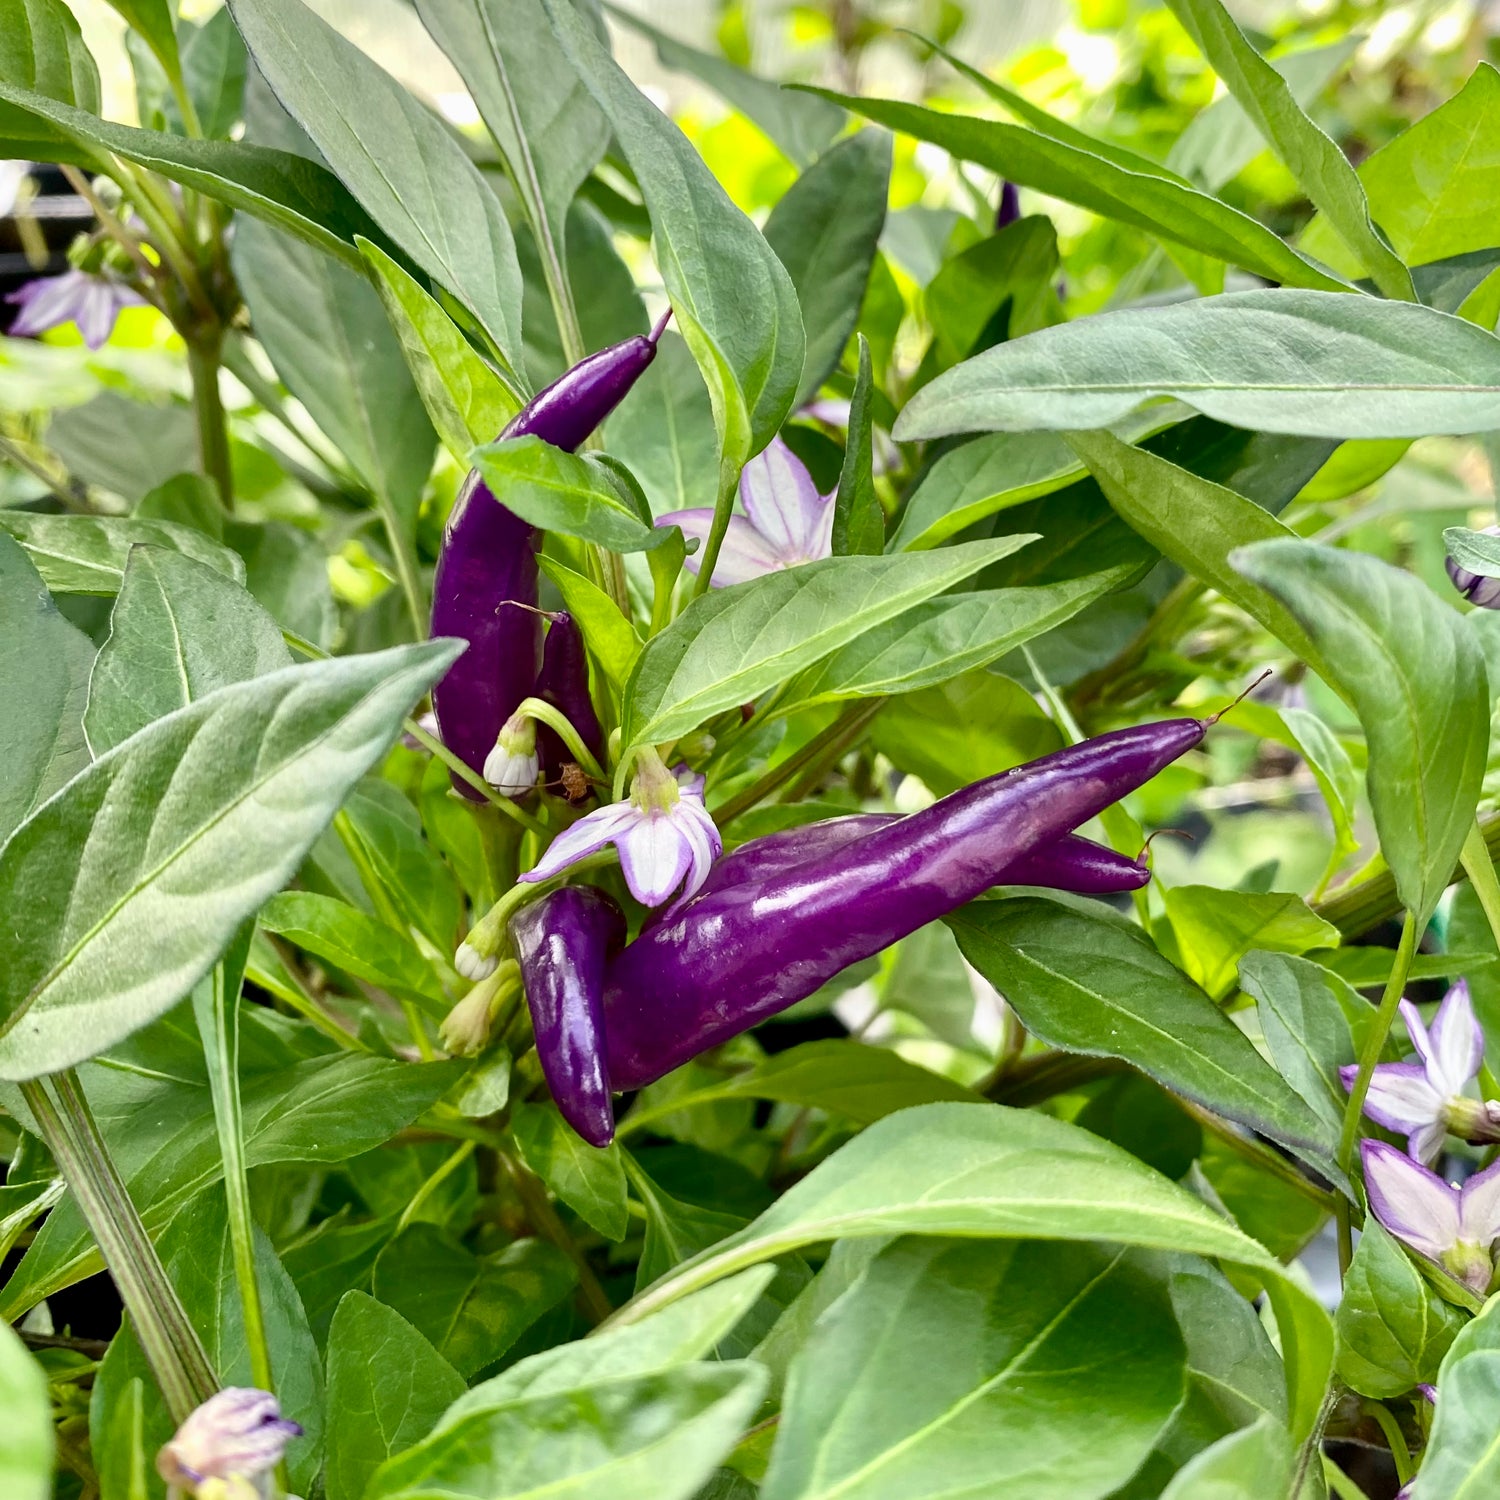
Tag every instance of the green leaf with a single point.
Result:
(591, 1182)
(1462, 1461)
(123, 445)
(44, 675)
(664, 430)
(325, 331)
(199, 1259)
(1251, 1464)
(42, 48)
(1392, 1328)
(566, 492)
(157, 1117)
(858, 521)
(1313, 363)
(1214, 929)
(287, 571)
(26, 1438)
(186, 499)
(178, 630)
(1156, 201)
(355, 942)
(986, 1171)
(1090, 982)
(87, 554)
(675, 1231)
(1474, 550)
(335, 1256)
(1305, 1017)
(388, 1387)
(824, 230)
(1047, 1368)
(651, 1437)
(800, 125)
(287, 190)
(549, 131)
(1222, 140)
(471, 1308)
(734, 301)
(165, 845)
(155, 21)
(466, 401)
(610, 637)
(1197, 524)
(944, 638)
(396, 157)
(1434, 189)
(734, 643)
(1415, 676)
(1320, 167)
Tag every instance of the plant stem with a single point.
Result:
(449, 1166)
(1480, 869)
(475, 780)
(171, 1345)
(545, 713)
(1395, 1439)
(1369, 1055)
(404, 554)
(723, 509)
(208, 408)
(543, 1217)
(811, 758)
(218, 1015)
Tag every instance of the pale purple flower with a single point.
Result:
(1425, 1100)
(1475, 587)
(235, 1434)
(1455, 1226)
(786, 520)
(662, 830)
(92, 302)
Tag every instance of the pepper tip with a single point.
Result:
(660, 326)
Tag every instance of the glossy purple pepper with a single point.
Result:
(564, 683)
(561, 943)
(1009, 208)
(724, 962)
(488, 562)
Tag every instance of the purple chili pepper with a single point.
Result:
(564, 683)
(725, 962)
(1475, 587)
(1010, 206)
(488, 561)
(562, 943)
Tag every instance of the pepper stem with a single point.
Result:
(545, 713)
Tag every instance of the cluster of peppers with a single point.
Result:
(779, 916)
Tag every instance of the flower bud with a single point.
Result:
(1474, 1120)
(472, 964)
(511, 767)
(234, 1436)
(1475, 587)
(466, 1028)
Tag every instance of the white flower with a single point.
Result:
(234, 1435)
(511, 767)
(1455, 1226)
(786, 520)
(12, 175)
(662, 830)
(1425, 1100)
(92, 302)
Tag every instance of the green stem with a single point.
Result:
(475, 780)
(218, 1015)
(208, 408)
(1374, 1043)
(835, 740)
(1340, 1483)
(433, 1183)
(171, 1345)
(723, 509)
(1395, 1439)
(1480, 869)
(543, 1217)
(544, 713)
(404, 553)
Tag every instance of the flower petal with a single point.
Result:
(654, 856)
(744, 554)
(1456, 1042)
(1414, 1204)
(1400, 1097)
(1479, 1207)
(605, 825)
(704, 840)
(1425, 1144)
(48, 302)
(1416, 1030)
(782, 502)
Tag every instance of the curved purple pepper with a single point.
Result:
(726, 961)
(562, 943)
(488, 560)
(564, 683)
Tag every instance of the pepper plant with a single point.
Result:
(584, 726)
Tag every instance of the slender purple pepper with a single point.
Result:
(488, 560)
(562, 943)
(1009, 209)
(564, 683)
(727, 961)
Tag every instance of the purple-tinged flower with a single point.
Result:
(1455, 1226)
(92, 302)
(1475, 587)
(1425, 1100)
(786, 520)
(1009, 209)
(662, 830)
(235, 1435)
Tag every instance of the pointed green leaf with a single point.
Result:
(87, 554)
